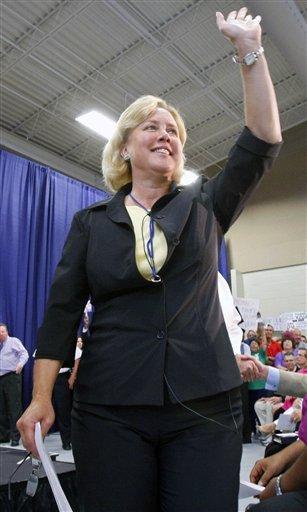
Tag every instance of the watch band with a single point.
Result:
(251, 56)
(278, 490)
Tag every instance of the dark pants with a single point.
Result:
(288, 502)
(159, 459)
(10, 403)
(247, 430)
(62, 402)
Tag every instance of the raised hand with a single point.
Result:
(240, 27)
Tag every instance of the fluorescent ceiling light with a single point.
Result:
(188, 177)
(98, 122)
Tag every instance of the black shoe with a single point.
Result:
(14, 443)
(67, 446)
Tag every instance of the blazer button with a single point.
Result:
(160, 335)
(176, 241)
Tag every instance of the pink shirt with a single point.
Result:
(302, 433)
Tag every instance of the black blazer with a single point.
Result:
(141, 330)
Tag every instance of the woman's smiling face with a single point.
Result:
(154, 146)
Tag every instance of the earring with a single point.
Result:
(126, 157)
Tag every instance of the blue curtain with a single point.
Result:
(36, 205)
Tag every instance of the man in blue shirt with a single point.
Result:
(13, 357)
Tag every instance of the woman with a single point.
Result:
(157, 403)
(287, 349)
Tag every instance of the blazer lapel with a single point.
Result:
(116, 210)
(173, 217)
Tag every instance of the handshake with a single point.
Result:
(251, 368)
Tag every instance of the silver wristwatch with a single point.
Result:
(250, 58)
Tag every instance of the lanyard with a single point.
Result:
(155, 278)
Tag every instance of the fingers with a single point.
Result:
(27, 434)
(261, 473)
(269, 491)
(250, 372)
(257, 20)
(238, 15)
(256, 472)
(242, 13)
(220, 20)
(37, 412)
(248, 369)
(232, 15)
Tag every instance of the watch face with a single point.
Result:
(249, 59)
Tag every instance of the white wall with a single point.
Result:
(271, 231)
(279, 289)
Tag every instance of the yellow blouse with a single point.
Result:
(140, 221)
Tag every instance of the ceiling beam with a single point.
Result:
(169, 51)
(33, 28)
(45, 38)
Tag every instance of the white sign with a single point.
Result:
(288, 321)
(248, 309)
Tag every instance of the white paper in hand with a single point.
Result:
(285, 423)
(248, 490)
(55, 485)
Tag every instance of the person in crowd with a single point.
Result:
(83, 331)
(13, 357)
(297, 336)
(290, 363)
(284, 474)
(158, 384)
(231, 315)
(62, 399)
(233, 319)
(266, 407)
(287, 349)
(74, 372)
(272, 345)
(301, 360)
(291, 406)
(251, 335)
(302, 342)
(269, 409)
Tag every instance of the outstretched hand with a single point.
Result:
(240, 26)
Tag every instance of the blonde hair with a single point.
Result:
(117, 171)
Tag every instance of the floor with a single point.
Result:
(251, 453)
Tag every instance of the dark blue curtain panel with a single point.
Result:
(36, 209)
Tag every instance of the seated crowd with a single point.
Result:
(287, 352)
(278, 419)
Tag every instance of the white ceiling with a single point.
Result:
(61, 58)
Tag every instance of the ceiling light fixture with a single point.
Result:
(98, 122)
